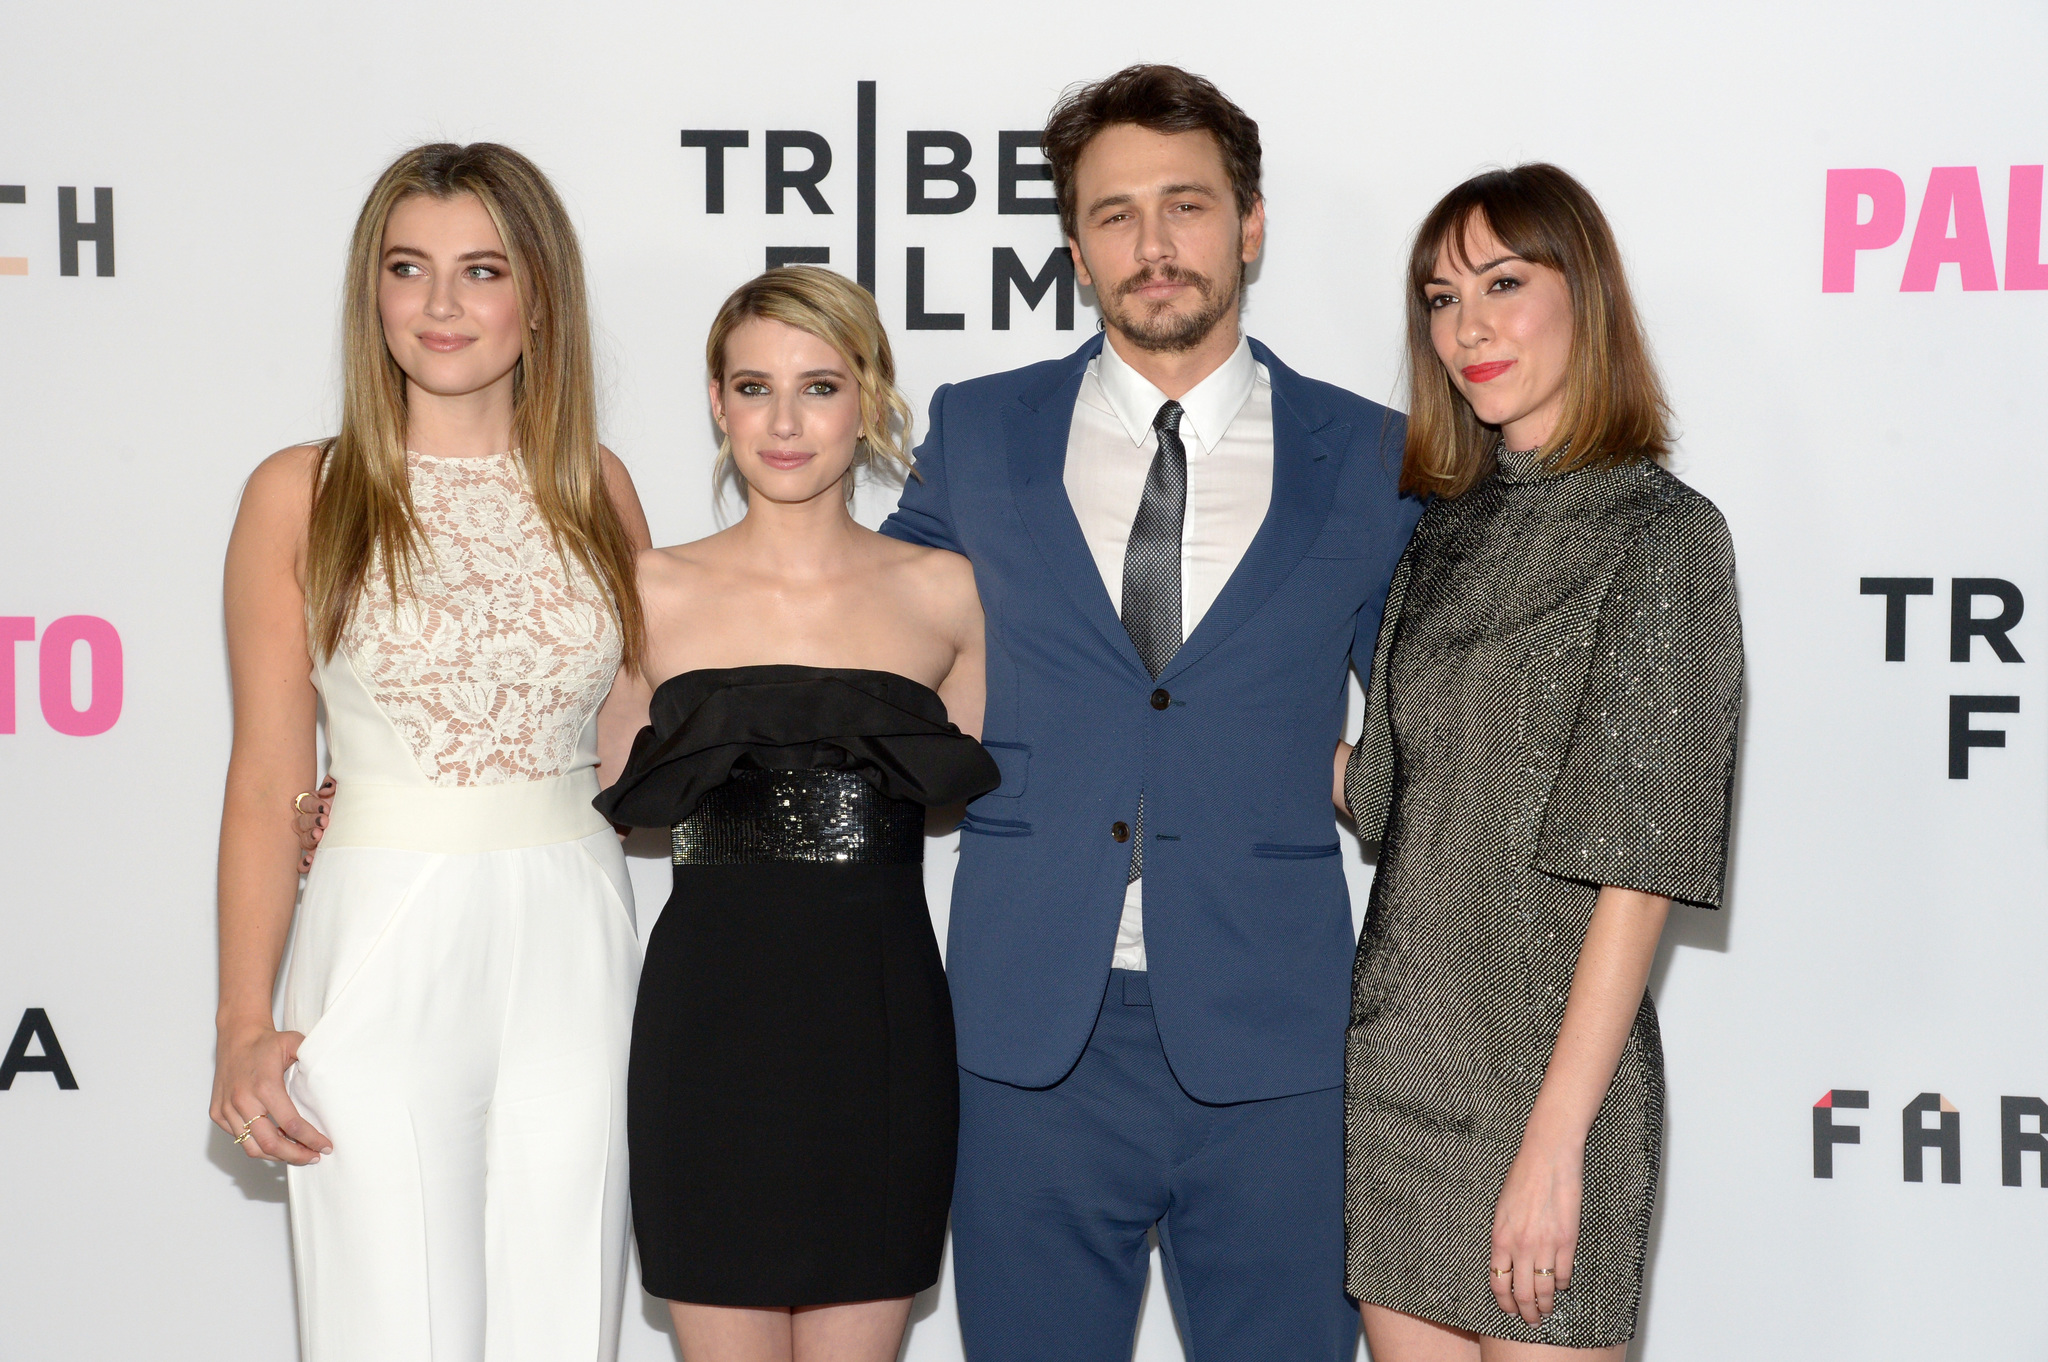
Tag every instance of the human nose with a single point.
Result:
(442, 304)
(1473, 328)
(784, 421)
(1155, 243)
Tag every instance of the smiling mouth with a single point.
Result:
(1487, 372)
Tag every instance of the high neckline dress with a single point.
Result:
(1553, 707)
(793, 1094)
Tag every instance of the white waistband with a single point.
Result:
(457, 819)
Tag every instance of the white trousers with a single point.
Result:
(466, 1021)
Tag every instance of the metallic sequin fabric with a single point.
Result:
(1553, 708)
(818, 816)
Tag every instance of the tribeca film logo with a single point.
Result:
(938, 181)
(35, 1029)
(1951, 229)
(56, 673)
(1944, 1137)
(72, 232)
(1965, 629)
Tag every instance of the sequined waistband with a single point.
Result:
(825, 817)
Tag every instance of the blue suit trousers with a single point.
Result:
(1057, 1187)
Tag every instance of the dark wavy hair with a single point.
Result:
(1164, 99)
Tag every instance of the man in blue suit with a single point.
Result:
(1181, 546)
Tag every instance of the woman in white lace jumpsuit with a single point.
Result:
(448, 1084)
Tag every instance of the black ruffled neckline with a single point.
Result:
(888, 729)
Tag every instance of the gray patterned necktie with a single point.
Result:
(1152, 591)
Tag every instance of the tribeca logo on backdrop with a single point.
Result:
(96, 231)
(1951, 229)
(938, 181)
(56, 673)
(1943, 1138)
(1966, 628)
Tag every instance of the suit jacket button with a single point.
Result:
(1160, 699)
(1119, 832)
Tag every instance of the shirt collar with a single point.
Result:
(1207, 409)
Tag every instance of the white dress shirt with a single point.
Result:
(1226, 427)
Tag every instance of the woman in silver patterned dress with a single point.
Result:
(1546, 764)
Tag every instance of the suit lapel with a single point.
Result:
(1308, 447)
(1035, 436)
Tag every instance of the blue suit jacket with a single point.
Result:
(1247, 919)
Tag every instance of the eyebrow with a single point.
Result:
(486, 254)
(1112, 200)
(1107, 201)
(1481, 270)
(737, 374)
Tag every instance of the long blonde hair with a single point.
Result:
(362, 516)
(842, 314)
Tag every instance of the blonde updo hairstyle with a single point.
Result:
(841, 313)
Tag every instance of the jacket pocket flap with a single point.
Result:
(1288, 851)
(1013, 759)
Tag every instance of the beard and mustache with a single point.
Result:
(1158, 327)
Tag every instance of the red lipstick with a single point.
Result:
(1487, 372)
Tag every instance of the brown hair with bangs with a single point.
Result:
(1614, 406)
(1163, 99)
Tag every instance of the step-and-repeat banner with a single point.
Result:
(1833, 214)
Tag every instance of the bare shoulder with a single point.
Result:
(660, 569)
(288, 474)
(948, 572)
(681, 568)
(625, 497)
(279, 495)
(941, 578)
(614, 469)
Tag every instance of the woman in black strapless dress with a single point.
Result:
(813, 689)
(793, 1099)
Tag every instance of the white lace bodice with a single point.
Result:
(492, 671)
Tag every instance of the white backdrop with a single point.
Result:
(1885, 935)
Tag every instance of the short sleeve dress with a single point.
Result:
(1553, 707)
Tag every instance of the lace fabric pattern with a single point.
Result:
(493, 667)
